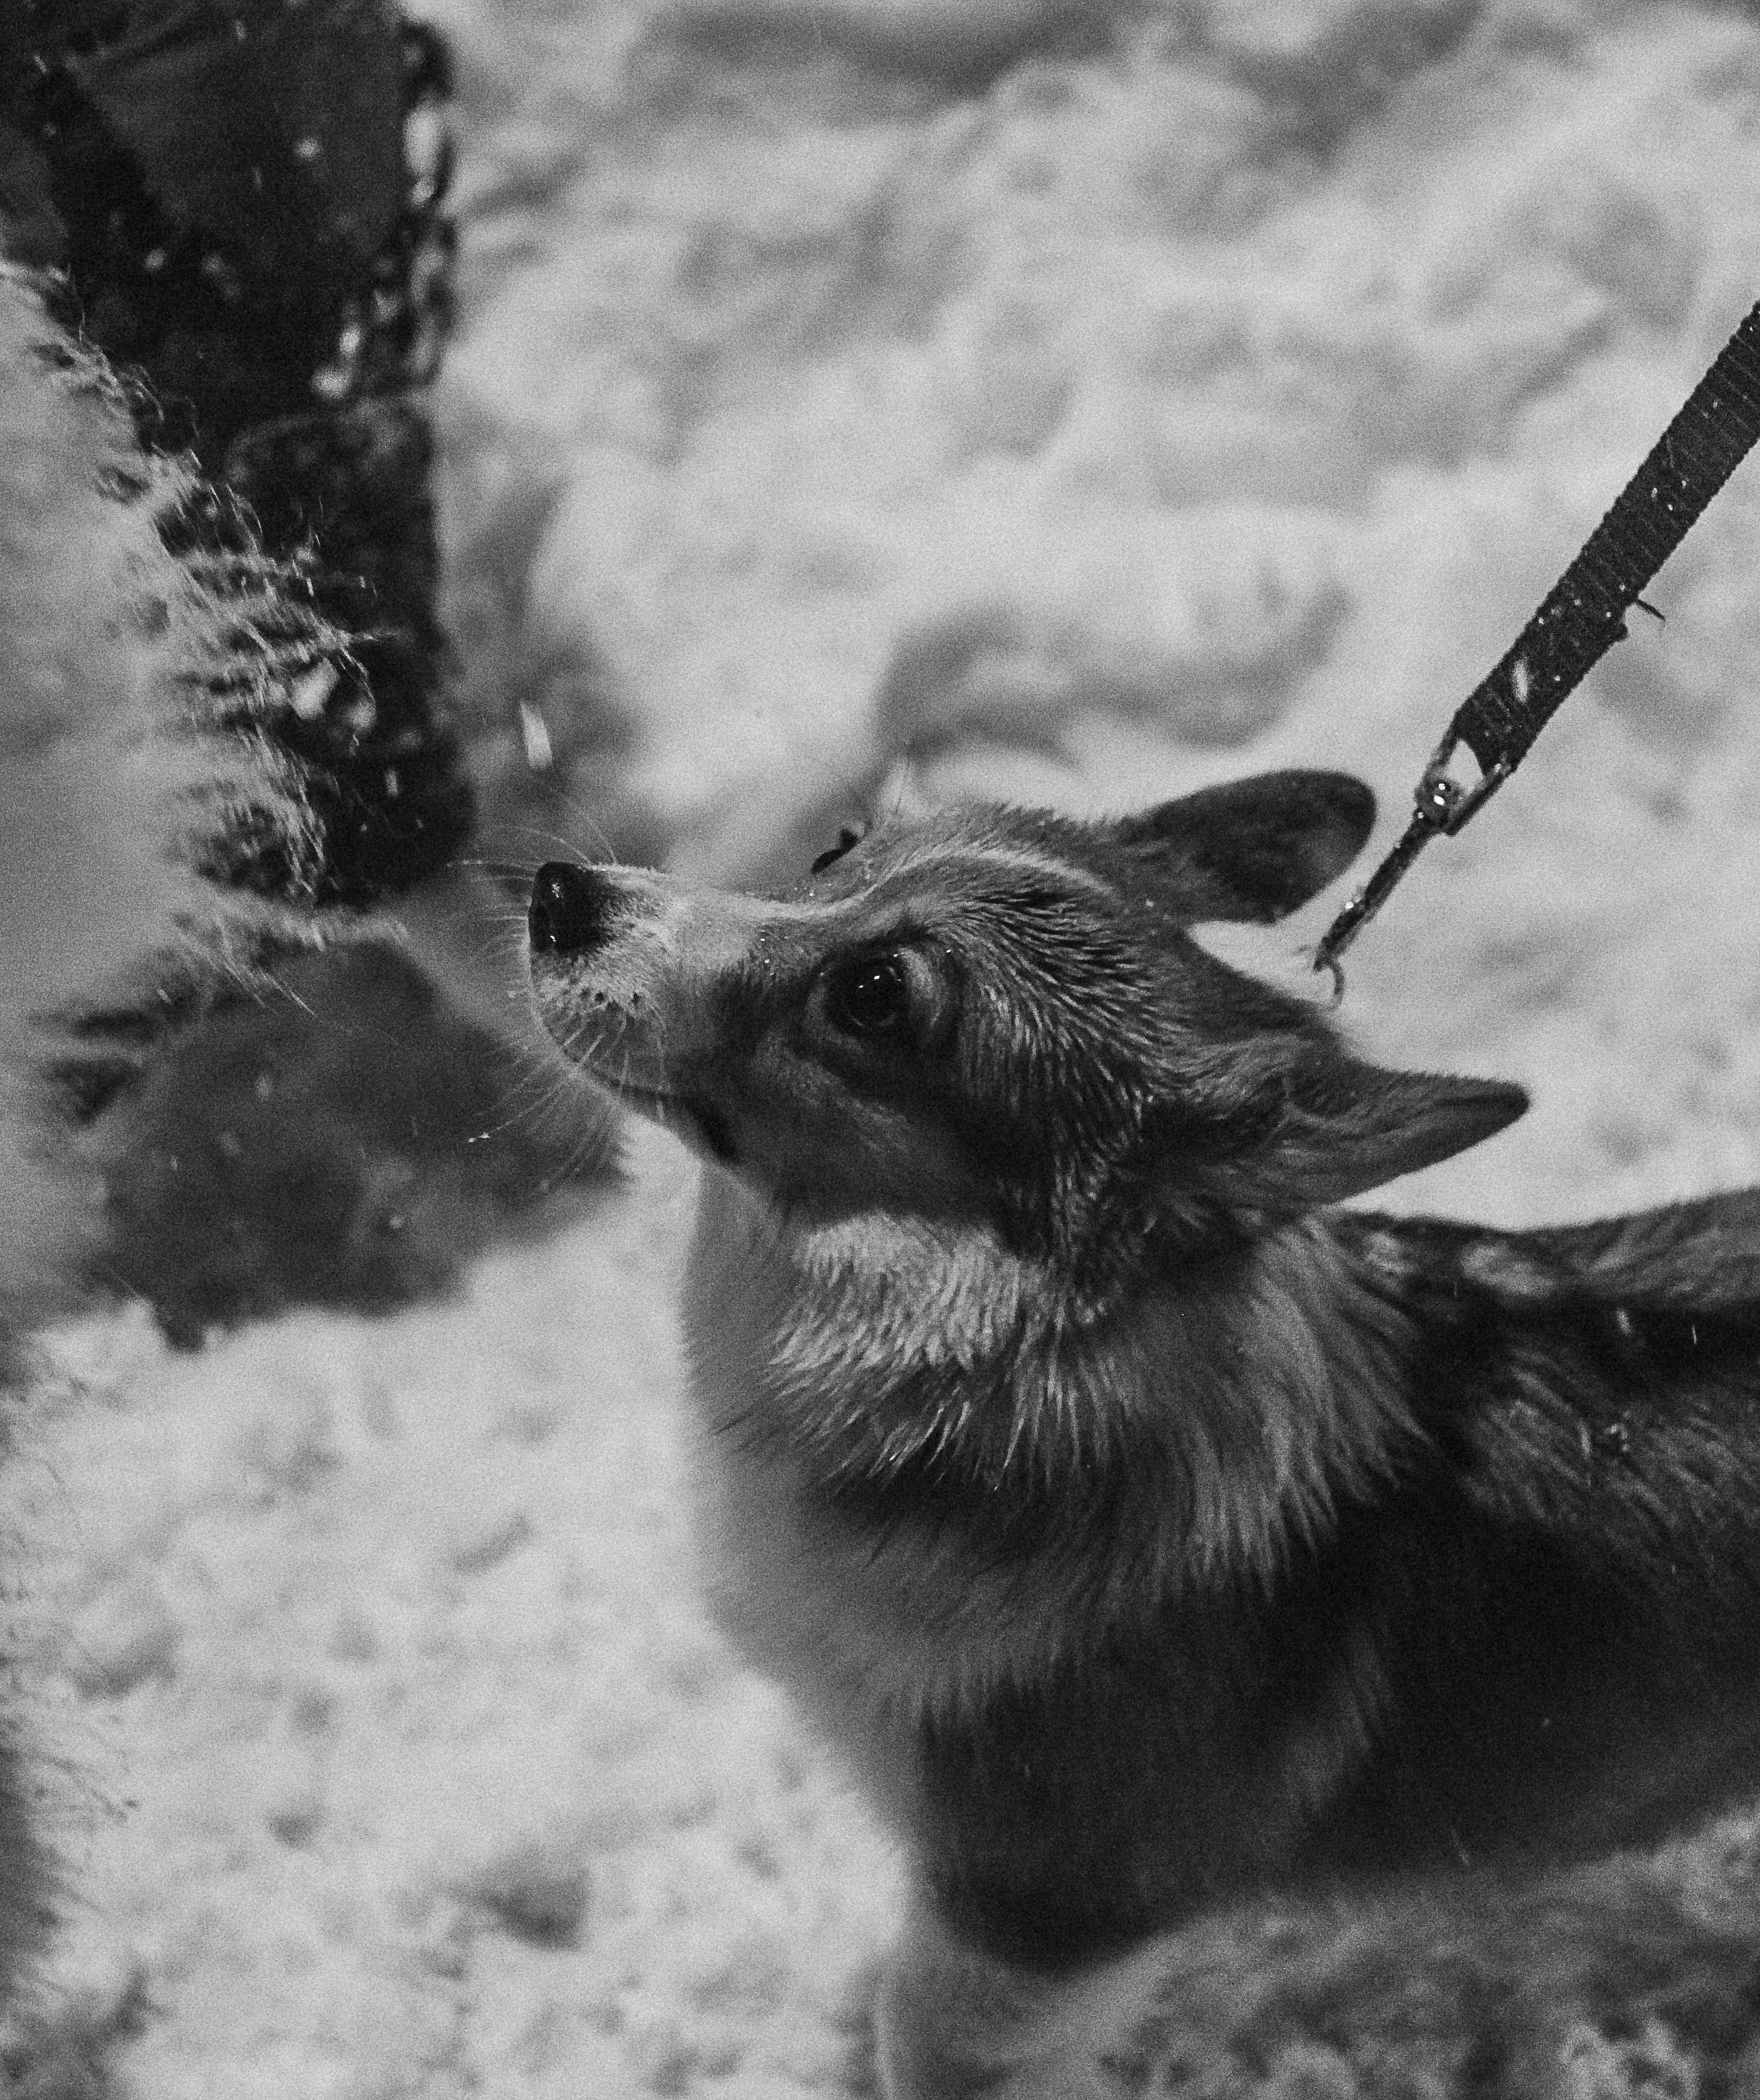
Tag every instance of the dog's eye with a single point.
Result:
(869, 997)
(845, 840)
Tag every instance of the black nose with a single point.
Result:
(570, 909)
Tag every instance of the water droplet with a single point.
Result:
(534, 731)
(1613, 1439)
(335, 379)
(312, 689)
(425, 149)
(224, 278)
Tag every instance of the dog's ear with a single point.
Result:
(1335, 1127)
(1253, 849)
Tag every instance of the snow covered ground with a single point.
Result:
(395, 1756)
(1102, 400)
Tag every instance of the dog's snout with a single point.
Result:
(570, 909)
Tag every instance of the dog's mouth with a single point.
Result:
(688, 1117)
(656, 1101)
(605, 1057)
(660, 1104)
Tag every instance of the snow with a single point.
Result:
(1103, 400)
(394, 1756)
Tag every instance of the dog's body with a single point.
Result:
(1149, 1533)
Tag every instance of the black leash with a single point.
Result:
(1581, 618)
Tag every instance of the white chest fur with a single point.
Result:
(1242, 1409)
(869, 1630)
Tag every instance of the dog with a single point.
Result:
(1150, 1533)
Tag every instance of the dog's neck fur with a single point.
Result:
(999, 1494)
(915, 1370)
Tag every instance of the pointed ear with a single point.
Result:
(1253, 848)
(1347, 1128)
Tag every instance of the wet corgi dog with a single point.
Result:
(1147, 1532)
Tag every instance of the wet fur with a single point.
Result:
(1153, 1536)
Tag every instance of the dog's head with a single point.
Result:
(999, 1014)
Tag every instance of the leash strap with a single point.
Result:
(1580, 618)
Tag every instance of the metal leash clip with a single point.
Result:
(1580, 618)
(1441, 806)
